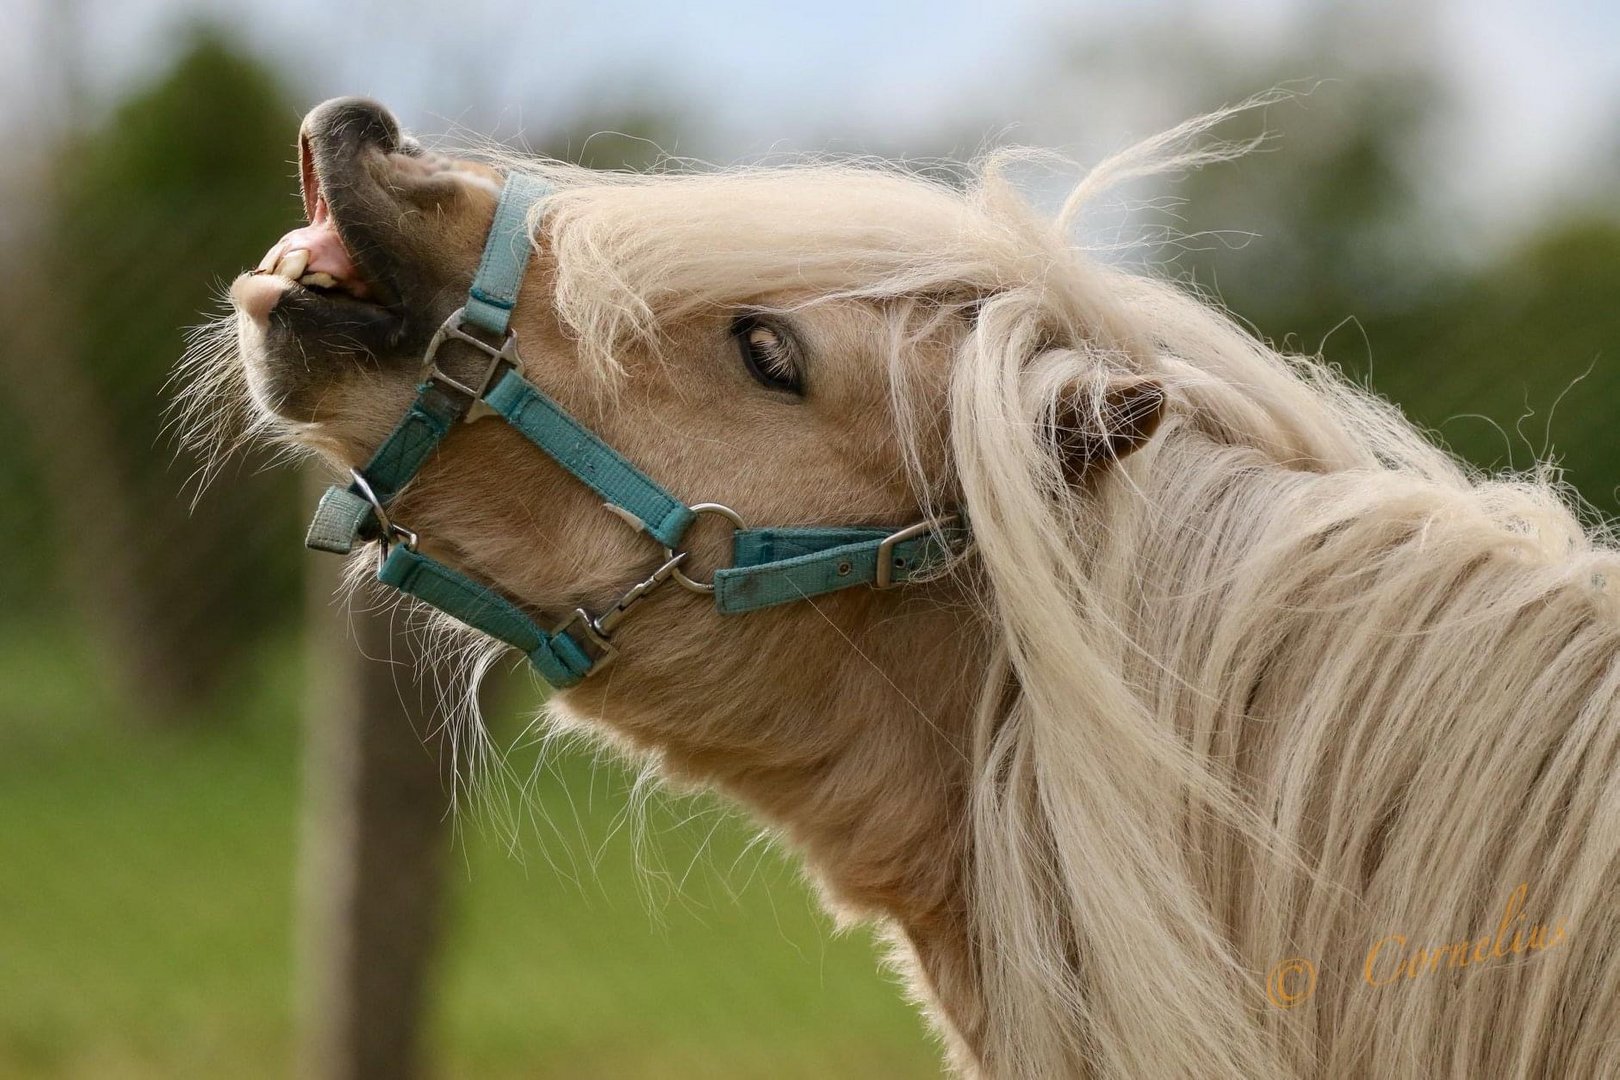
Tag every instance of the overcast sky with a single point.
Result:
(1539, 82)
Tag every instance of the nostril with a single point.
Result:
(353, 118)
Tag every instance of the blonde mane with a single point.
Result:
(1287, 681)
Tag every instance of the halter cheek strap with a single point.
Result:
(768, 567)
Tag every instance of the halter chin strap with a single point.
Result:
(769, 566)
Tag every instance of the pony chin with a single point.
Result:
(261, 381)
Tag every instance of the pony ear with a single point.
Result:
(1095, 424)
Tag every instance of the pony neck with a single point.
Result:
(844, 723)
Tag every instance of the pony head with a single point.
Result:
(782, 342)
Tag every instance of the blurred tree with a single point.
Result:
(1329, 220)
(1352, 254)
(1520, 360)
(136, 217)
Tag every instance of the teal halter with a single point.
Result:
(769, 566)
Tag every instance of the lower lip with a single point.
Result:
(256, 294)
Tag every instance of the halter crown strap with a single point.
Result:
(777, 566)
(769, 566)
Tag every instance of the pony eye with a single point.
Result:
(767, 354)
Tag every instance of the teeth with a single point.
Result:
(320, 279)
(293, 264)
(268, 263)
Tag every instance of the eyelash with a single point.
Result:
(767, 354)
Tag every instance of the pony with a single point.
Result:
(1252, 734)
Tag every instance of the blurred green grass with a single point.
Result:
(146, 912)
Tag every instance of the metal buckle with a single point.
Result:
(431, 372)
(390, 528)
(884, 578)
(590, 637)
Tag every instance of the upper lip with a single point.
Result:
(342, 146)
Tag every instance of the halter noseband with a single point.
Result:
(769, 566)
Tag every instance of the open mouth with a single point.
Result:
(328, 298)
(360, 285)
(316, 257)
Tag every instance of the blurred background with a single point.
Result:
(225, 845)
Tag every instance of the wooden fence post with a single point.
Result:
(373, 844)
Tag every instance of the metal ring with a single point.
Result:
(669, 553)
